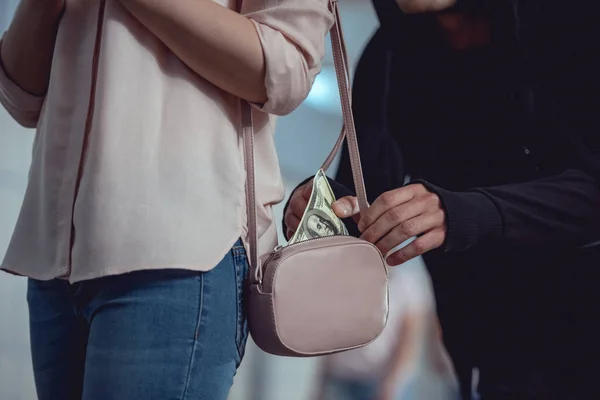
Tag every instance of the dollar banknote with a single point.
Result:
(319, 220)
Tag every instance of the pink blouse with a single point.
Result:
(137, 161)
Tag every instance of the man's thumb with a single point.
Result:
(346, 207)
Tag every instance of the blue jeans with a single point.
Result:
(167, 334)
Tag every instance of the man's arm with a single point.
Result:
(26, 58)
(269, 56)
(561, 210)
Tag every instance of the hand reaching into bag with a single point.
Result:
(297, 204)
(395, 217)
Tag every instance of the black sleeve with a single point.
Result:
(561, 210)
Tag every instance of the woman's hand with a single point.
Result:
(424, 6)
(397, 216)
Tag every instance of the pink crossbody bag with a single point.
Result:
(324, 295)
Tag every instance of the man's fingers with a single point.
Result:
(387, 201)
(307, 190)
(298, 206)
(429, 241)
(397, 218)
(408, 229)
(291, 221)
(346, 207)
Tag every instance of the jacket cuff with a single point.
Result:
(472, 218)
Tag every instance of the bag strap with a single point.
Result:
(348, 131)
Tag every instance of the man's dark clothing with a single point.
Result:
(506, 134)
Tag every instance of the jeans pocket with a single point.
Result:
(240, 262)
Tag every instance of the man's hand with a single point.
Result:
(298, 202)
(395, 217)
(424, 6)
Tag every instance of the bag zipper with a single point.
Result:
(281, 246)
(277, 251)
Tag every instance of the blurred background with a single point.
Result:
(303, 140)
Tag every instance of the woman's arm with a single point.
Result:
(276, 43)
(217, 43)
(28, 45)
(26, 54)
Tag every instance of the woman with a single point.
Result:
(133, 226)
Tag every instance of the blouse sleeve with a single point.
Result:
(292, 34)
(24, 107)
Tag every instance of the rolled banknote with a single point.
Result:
(319, 220)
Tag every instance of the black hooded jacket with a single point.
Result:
(508, 136)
